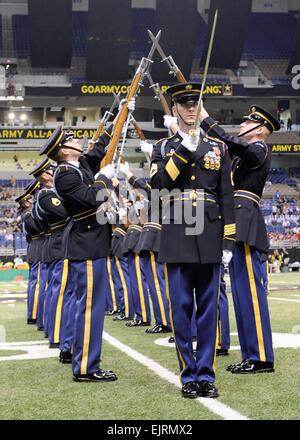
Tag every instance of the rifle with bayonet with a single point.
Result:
(135, 84)
(103, 121)
(174, 69)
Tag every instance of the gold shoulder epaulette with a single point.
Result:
(163, 139)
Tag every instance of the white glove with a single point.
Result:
(226, 256)
(108, 171)
(130, 105)
(124, 167)
(122, 212)
(191, 142)
(146, 148)
(169, 120)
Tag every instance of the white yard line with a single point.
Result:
(285, 299)
(213, 405)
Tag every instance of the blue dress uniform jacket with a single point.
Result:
(32, 233)
(208, 169)
(44, 234)
(149, 239)
(250, 170)
(84, 237)
(52, 210)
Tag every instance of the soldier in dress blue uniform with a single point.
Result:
(197, 171)
(87, 243)
(250, 169)
(46, 258)
(148, 246)
(31, 232)
(51, 209)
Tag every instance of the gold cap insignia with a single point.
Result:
(253, 109)
(188, 87)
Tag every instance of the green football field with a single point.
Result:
(36, 386)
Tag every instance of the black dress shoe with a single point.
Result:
(111, 312)
(190, 390)
(98, 376)
(65, 357)
(171, 339)
(121, 318)
(137, 323)
(232, 366)
(252, 367)
(31, 321)
(54, 345)
(207, 389)
(222, 352)
(40, 329)
(158, 328)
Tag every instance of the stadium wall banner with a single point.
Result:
(80, 133)
(211, 89)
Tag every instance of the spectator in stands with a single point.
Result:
(276, 195)
(289, 124)
(13, 181)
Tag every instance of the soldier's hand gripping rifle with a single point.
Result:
(136, 82)
(103, 121)
(174, 69)
(139, 132)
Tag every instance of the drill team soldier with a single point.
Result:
(250, 169)
(199, 170)
(31, 232)
(87, 244)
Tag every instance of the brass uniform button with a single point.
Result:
(194, 203)
(193, 177)
(193, 164)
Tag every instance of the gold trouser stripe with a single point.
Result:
(60, 302)
(87, 321)
(120, 270)
(111, 283)
(171, 319)
(157, 288)
(172, 169)
(255, 303)
(36, 294)
(218, 332)
(268, 277)
(140, 285)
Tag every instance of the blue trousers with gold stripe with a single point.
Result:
(48, 297)
(113, 297)
(223, 324)
(121, 279)
(91, 284)
(68, 315)
(43, 282)
(32, 290)
(57, 283)
(181, 281)
(139, 288)
(250, 304)
(155, 275)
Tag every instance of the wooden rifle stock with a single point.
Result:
(120, 122)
